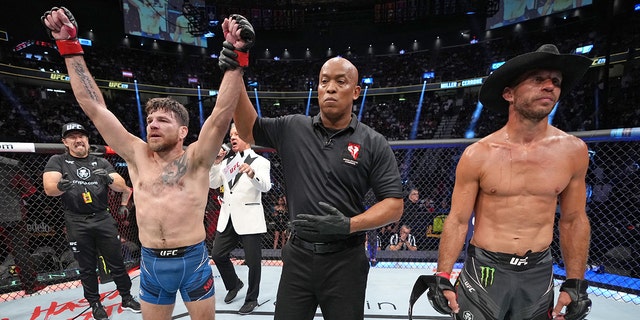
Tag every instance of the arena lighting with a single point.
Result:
(553, 113)
(367, 80)
(636, 7)
(428, 75)
(496, 65)
(471, 130)
(584, 49)
(364, 98)
(85, 42)
(200, 107)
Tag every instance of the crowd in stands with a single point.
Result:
(35, 114)
(32, 112)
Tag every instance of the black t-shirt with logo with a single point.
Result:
(88, 194)
(336, 167)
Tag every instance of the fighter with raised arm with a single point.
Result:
(171, 182)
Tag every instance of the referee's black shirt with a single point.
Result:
(334, 167)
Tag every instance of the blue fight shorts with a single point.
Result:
(165, 271)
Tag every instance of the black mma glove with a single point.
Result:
(436, 294)
(67, 37)
(123, 212)
(246, 32)
(232, 57)
(65, 184)
(580, 305)
(228, 59)
(103, 176)
(332, 221)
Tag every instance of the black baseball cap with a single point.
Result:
(73, 126)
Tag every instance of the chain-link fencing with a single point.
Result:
(32, 224)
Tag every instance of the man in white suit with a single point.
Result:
(244, 177)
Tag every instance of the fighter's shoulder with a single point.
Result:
(483, 145)
(569, 141)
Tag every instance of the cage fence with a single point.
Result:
(32, 224)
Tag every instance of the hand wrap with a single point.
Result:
(580, 305)
(331, 221)
(65, 184)
(70, 45)
(103, 176)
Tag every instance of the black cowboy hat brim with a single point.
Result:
(573, 67)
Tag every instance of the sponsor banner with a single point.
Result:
(17, 147)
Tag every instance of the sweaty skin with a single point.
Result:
(514, 179)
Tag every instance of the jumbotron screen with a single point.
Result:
(164, 20)
(511, 11)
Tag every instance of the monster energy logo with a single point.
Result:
(486, 274)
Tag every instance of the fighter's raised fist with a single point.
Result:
(62, 27)
(60, 24)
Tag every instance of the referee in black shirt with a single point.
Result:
(330, 162)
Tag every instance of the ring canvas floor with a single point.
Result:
(387, 297)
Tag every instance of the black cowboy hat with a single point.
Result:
(572, 67)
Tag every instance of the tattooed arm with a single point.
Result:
(62, 27)
(92, 103)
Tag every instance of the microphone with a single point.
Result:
(328, 143)
(227, 148)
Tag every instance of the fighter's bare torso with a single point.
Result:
(519, 185)
(170, 200)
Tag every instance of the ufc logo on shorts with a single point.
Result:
(168, 253)
(519, 261)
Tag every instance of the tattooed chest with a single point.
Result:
(167, 178)
(172, 173)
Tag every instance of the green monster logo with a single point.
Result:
(487, 274)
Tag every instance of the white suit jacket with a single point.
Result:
(242, 200)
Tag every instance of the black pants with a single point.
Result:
(335, 281)
(90, 236)
(223, 244)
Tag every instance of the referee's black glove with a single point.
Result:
(332, 221)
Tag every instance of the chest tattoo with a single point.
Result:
(174, 171)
